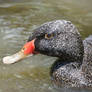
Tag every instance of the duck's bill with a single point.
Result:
(14, 58)
(27, 49)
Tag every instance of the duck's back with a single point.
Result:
(88, 48)
(87, 61)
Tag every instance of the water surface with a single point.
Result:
(17, 21)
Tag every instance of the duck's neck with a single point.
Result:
(65, 72)
(68, 65)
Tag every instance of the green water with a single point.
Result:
(17, 20)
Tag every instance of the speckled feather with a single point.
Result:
(75, 56)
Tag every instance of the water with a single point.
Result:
(17, 20)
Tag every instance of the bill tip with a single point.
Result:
(8, 60)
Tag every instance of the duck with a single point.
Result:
(61, 39)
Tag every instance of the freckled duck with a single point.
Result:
(60, 38)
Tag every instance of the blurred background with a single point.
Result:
(18, 18)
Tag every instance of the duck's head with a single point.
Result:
(58, 38)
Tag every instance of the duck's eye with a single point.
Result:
(48, 36)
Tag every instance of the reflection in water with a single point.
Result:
(17, 20)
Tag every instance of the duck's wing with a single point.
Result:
(87, 60)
